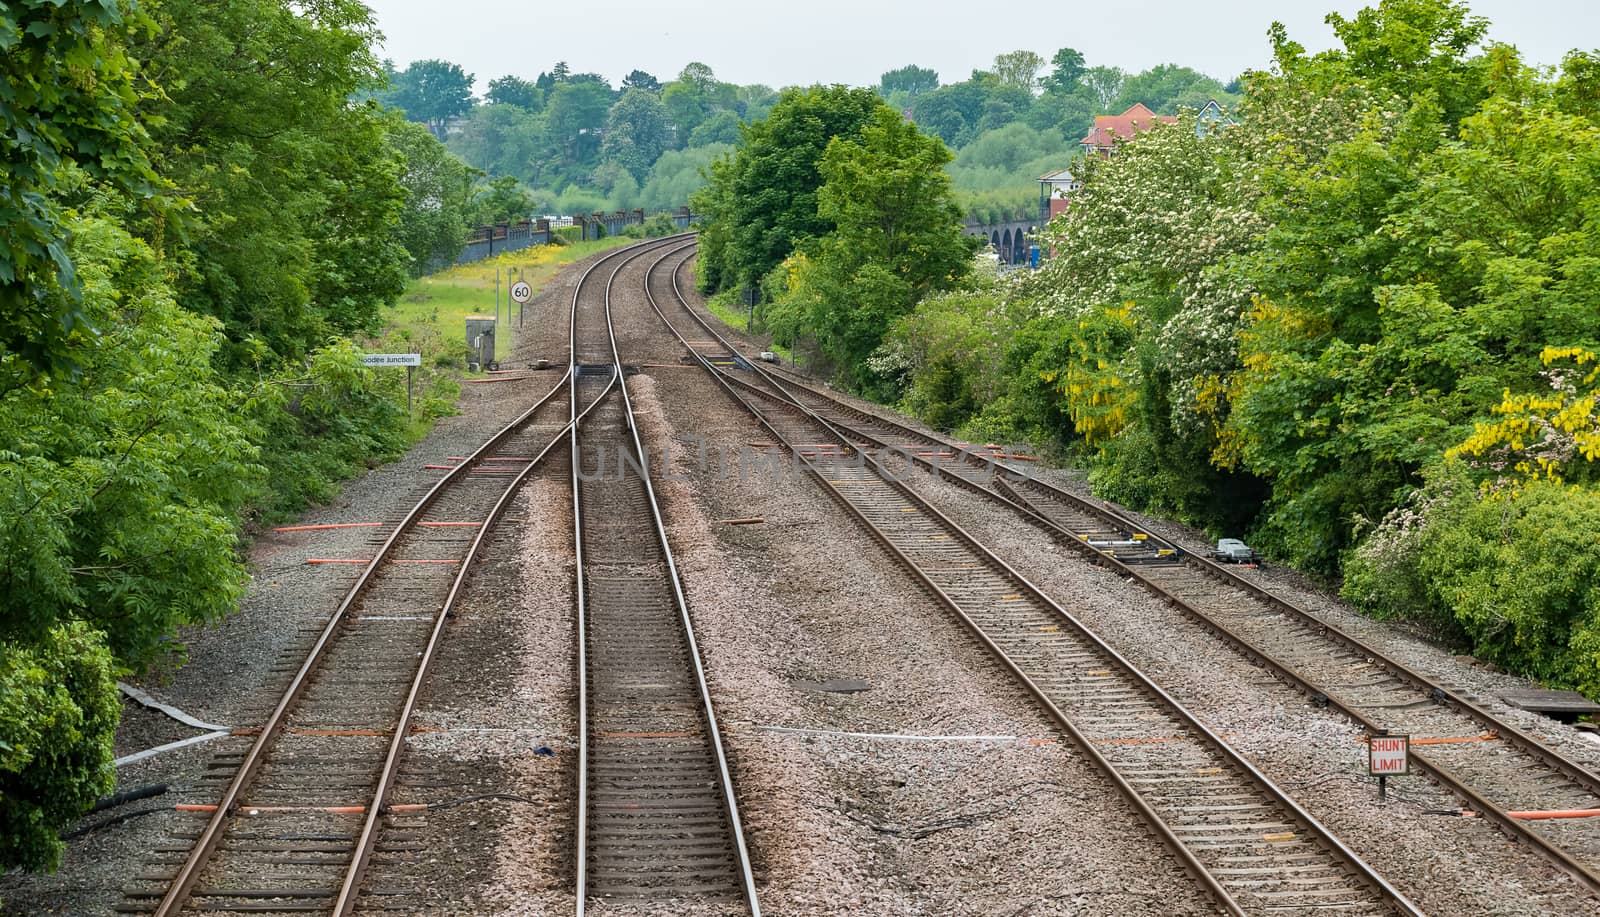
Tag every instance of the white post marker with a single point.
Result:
(409, 360)
(1388, 756)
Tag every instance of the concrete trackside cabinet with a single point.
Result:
(480, 340)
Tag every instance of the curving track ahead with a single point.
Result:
(1532, 792)
(301, 816)
(1250, 845)
(657, 815)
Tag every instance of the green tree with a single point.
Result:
(505, 140)
(500, 200)
(1066, 69)
(1019, 69)
(576, 112)
(432, 92)
(910, 79)
(438, 186)
(1413, 48)
(721, 128)
(121, 489)
(762, 202)
(897, 238)
(638, 79)
(1165, 87)
(296, 189)
(514, 90)
(754, 101)
(1104, 86)
(67, 102)
(699, 78)
(547, 82)
(952, 112)
(636, 132)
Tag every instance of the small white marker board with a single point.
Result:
(1389, 756)
(391, 359)
(521, 291)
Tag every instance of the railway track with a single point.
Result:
(300, 811)
(658, 819)
(1251, 846)
(1502, 773)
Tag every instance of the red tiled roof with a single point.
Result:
(1109, 128)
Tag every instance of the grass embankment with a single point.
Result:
(730, 311)
(433, 311)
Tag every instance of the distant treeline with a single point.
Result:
(567, 142)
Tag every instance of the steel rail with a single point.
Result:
(1008, 478)
(1005, 493)
(713, 731)
(188, 874)
(369, 829)
(1009, 495)
(1353, 862)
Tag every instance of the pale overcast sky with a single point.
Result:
(853, 41)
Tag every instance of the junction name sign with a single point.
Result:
(391, 359)
(409, 360)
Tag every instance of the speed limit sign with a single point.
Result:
(521, 292)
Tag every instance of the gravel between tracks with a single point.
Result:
(230, 677)
(947, 822)
(1479, 681)
(1447, 865)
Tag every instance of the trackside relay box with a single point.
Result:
(480, 340)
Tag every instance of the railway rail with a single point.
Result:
(299, 820)
(657, 814)
(1503, 773)
(1251, 846)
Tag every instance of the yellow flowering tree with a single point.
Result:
(1552, 435)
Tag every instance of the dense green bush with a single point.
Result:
(120, 491)
(58, 715)
(1518, 573)
(1358, 327)
(326, 419)
(658, 225)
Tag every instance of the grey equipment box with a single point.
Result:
(480, 340)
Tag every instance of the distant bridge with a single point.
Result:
(488, 241)
(1010, 238)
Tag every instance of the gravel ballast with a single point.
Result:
(883, 761)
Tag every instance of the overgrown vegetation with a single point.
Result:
(1358, 325)
(840, 212)
(197, 227)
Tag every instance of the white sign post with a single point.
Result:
(409, 360)
(521, 292)
(1388, 756)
